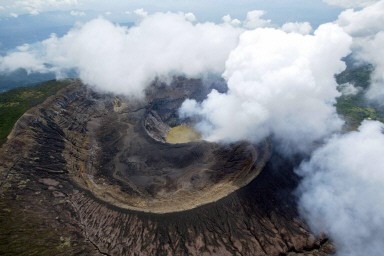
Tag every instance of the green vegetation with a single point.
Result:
(359, 76)
(354, 112)
(14, 103)
(355, 108)
(26, 233)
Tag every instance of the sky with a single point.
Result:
(279, 60)
(28, 21)
(315, 11)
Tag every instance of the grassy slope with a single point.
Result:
(14, 103)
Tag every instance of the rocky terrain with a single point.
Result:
(87, 173)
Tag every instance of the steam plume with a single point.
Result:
(342, 193)
(280, 84)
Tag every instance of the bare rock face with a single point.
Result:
(88, 173)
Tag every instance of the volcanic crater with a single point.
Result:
(127, 161)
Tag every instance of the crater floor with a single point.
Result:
(182, 134)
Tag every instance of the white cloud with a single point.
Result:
(365, 22)
(280, 84)
(342, 193)
(367, 28)
(228, 19)
(122, 60)
(303, 28)
(373, 52)
(22, 59)
(77, 13)
(34, 11)
(141, 13)
(254, 20)
(34, 7)
(14, 15)
(190, 17)
(349, 89)
(2, 8)
(350, 3)
(23, 48)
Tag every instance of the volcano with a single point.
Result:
(94, 173)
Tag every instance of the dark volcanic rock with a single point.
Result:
(83, 174)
